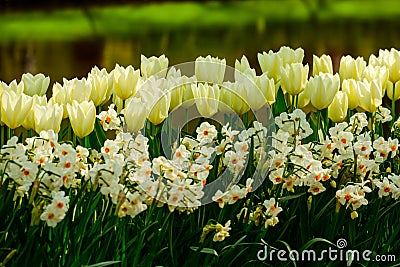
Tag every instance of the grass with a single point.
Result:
(131, 20)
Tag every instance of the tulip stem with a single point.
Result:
(393, 107)
(2, 136)
(87, 141)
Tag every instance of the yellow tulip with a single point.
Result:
(59, 96)
(232, 98)
(110, 77)
(135, 114)
(100, 88)
(207, 98)
(351, 88)
(271, 64)
(337, 110)
(157, 99)
(243, 70)
(289, 55)
(323, 89)
(13, 86)
(77, 89)
(14, 108)
(82, 117)
(35, 85)
(29, 122)
(125, 81)
(370, 95)
(322, 64)
(351, 68)
(294, 78)
(393, 89)
(380, 73)
(187, 94)
(47, 117)
(394, 65)
(153, 66)
(267, 88)
(210, 69)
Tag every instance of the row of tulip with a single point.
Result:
(155, 90)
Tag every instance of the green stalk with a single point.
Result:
(87, 141)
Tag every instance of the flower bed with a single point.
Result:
(188, 168)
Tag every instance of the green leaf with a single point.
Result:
(287, 198)
(101, 264)
(205, 250)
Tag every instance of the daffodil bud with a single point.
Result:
(294, 78)
(351, 68)
(207, 99)
(135, 114)
(354, 215)
(337, 110)
(322, 64)
(125, 81)
(323, 88)
(35, 85)
(82, 117)
(351, 88)
(153, 66)
(210, 69)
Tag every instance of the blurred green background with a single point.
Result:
(68, 40)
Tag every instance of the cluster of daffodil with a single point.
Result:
(43, 169)
(221, 232)
(350, 158)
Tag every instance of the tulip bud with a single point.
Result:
(13, 86)
(78, 90)
(351, 68)
(394, 65)
(377, 73)
(35, 85)
(207, 98)
(100, 88)
(125, 81)
(82, 117)
(271, 64)
(187, 98)
(29, 122)
(323, 88)
(289, 55)
(267, 88)
(210, 69)
(153, 66)
(370, 95)
(351, 88)
(337, 110)
(14, 108)
(47, 117)
(59, 96)
(232, 98)
(135, 114)
(243, 70)
(156, 98)
(322, 64)
(393, 92)
(294, 78)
